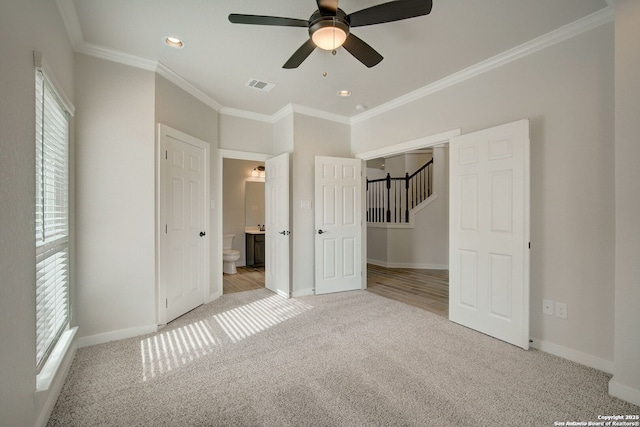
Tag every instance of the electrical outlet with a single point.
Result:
(561, 310)
(547, 307)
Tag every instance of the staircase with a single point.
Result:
(390, 199)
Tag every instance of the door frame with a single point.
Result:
(403, 147)
(162, 132)
(217, 206)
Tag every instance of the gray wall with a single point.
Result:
(312, 137)
(566, 91)
(115, 161)
(626, 380)
(29, 25)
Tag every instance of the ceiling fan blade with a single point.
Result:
(362, 51)
(300, 55)
(237, 18)
(389, 12)
(327, 7)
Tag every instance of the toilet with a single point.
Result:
(229, 256)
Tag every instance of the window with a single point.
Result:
(52, 218)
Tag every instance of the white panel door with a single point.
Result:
(183, 222)
(489, 232)
(277, 224)
(338, 238)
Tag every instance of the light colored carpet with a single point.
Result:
(348, 359)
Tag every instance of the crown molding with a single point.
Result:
(573, 29)
(284, 112)
(308, 111)
(244, 114)
(71, 23)
(74, 31)
(182, 83)
(113, 55)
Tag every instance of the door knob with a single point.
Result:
(202, 233)
(320, 231)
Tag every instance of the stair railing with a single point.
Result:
(390, 199)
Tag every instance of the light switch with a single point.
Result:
(305, 204)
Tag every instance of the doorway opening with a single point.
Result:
(243, 222)
(407, 251)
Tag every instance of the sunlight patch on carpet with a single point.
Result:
(167, 351)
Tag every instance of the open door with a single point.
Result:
(338, 223)
(489, 232)
(277, 224)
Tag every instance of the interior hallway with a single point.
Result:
(425, 289)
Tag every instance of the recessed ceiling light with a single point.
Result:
(173, 42)
(344, 93)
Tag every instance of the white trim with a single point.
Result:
(285, 111)
(568, 31)
(116, 335)
(308, 111)
(243, 155)
(51, 378)
(182, 83)
(40, 63)
(303, 293)
(244, 114)
(624, 392)
(113, 55)
(573, 355)
(427, 141)
(214, 296)
(71, 22)
(49, 370)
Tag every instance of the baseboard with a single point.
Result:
(303, 293)
(574, 355)
(116, 335)
(624, 392)
(407, 265)
(212, 297)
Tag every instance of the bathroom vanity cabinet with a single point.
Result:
(255, 249)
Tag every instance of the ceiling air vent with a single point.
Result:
(262, 86)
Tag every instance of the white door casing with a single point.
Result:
(338, 224)
(277, 240)
(489, 232)
(183, 223)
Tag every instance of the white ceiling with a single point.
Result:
(220, 57)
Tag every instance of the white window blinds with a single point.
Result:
(52, 218)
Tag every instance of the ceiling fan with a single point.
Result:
(329, 27)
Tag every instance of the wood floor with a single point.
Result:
(247, 279)
(426, 289)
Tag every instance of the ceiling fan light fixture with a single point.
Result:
(329, 33)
